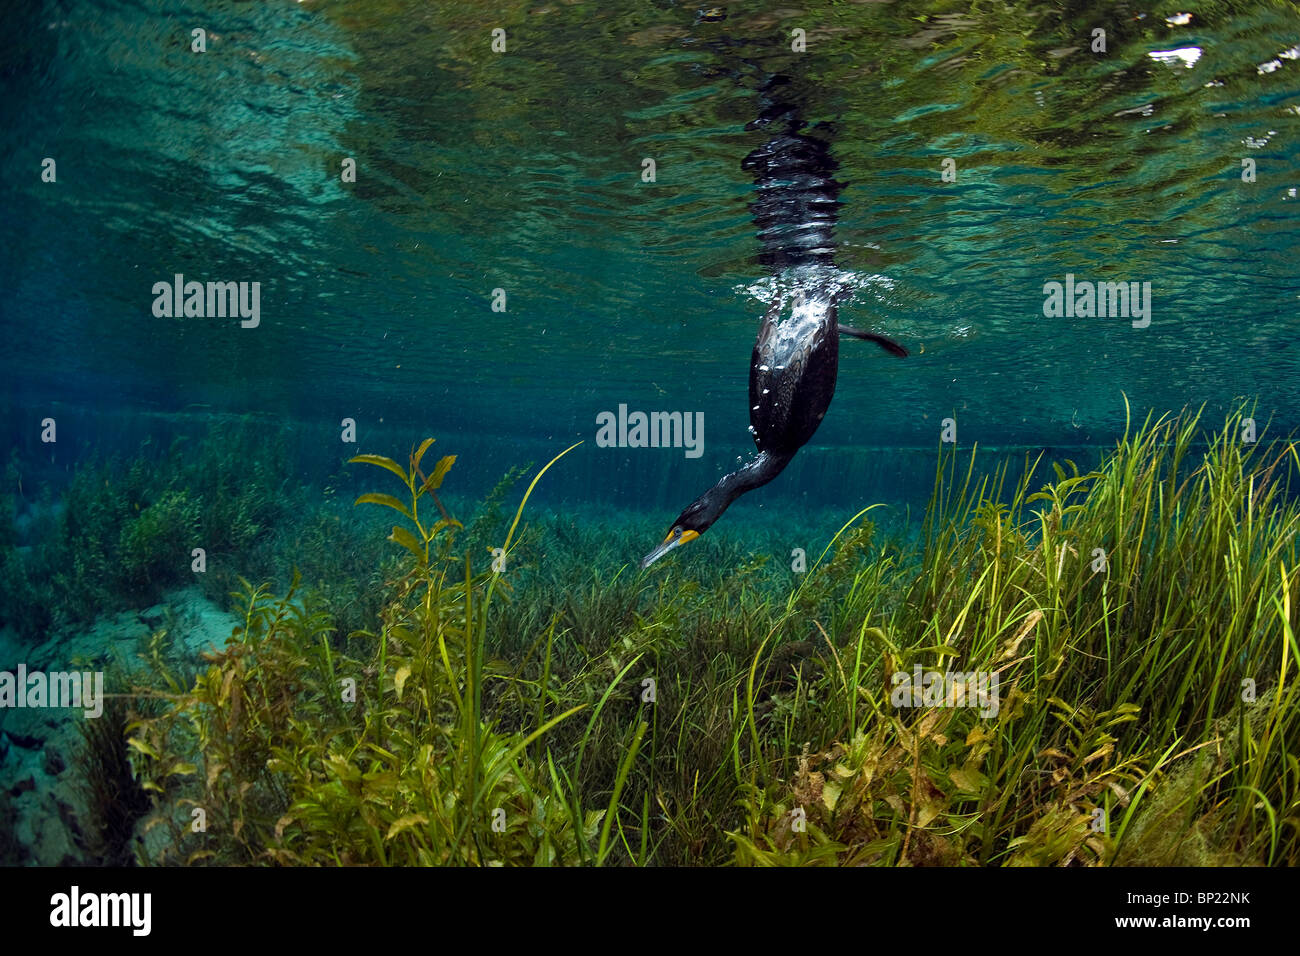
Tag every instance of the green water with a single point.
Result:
(503, 270)
(522, 171)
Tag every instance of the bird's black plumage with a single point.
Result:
(796, 355)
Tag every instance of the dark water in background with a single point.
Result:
(522, 171)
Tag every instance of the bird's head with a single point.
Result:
(708, 507)
(690, 524)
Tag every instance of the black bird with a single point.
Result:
(796, 355)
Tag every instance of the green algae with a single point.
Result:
(563, 709)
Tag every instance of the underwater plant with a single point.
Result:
(1139, 618)
(1114, 651)
(307, 755)
(122, 533)
(113, 798)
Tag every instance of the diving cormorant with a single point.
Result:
(796, 355)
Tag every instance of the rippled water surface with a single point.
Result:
(523, 170)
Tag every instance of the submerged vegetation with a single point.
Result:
(1104, 662)
(562, 709)
(123, 531)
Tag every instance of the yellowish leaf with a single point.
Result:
(1009, 649)
(424, 446)
(831, 794)
(927, 812)
(143, 747)
(406, 823)
(407, 540)
(440, 471)
(388, 501)
(970, 780)
(381, 462)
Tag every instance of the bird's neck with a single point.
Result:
(758, 471)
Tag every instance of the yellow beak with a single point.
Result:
(675, 539)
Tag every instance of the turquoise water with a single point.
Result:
(522, 171)
(504, 273)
